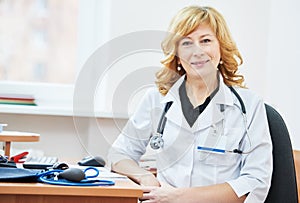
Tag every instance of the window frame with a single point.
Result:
(57, 99)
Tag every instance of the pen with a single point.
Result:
(211, 149)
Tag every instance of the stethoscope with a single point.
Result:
(73, 177)
(157, 141)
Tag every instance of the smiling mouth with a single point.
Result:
(199, 63)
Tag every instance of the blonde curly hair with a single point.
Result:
(186, 21)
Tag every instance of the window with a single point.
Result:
(38, 40)
(44, 43)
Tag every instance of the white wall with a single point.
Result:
(59, 137)
(266, 33)
(282, 58)
(247, 20)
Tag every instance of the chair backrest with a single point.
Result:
(284, 184)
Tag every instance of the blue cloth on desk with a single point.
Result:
(49, 177)
(18, 175)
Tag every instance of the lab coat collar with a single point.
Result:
(209, 116)
(175, 114)
(223, 96)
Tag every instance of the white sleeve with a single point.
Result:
(256, 166)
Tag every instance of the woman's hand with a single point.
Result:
(163, 194)
(168, 194)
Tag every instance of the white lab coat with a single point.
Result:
(181, 164)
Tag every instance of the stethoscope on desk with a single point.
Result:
(157, 141)
(73, 177)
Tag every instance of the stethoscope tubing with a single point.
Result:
(85, 182)
(156, 141)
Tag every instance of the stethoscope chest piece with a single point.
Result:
(156, 141)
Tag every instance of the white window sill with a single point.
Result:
(35, 110)
(52, 100)
(56, 111)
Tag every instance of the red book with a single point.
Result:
(17, 97)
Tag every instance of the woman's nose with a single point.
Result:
(198, 50)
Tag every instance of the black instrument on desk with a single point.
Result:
(4, 162)
(96, 161)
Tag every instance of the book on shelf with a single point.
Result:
(17, 99)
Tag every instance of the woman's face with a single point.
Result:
(199, 53)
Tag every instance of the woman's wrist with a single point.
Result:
(147, 179)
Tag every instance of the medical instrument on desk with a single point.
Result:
(73, 177)
(157, 141)
(96, 161)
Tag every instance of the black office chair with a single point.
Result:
(284, 185)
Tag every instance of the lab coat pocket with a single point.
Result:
(222, 167)
(231, 140)
(224, 159)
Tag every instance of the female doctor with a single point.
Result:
(212, 140)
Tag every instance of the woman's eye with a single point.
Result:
(205, 41)
(186, 43)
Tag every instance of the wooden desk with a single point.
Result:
(296, 154)
(124, 191)
(14, 136)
